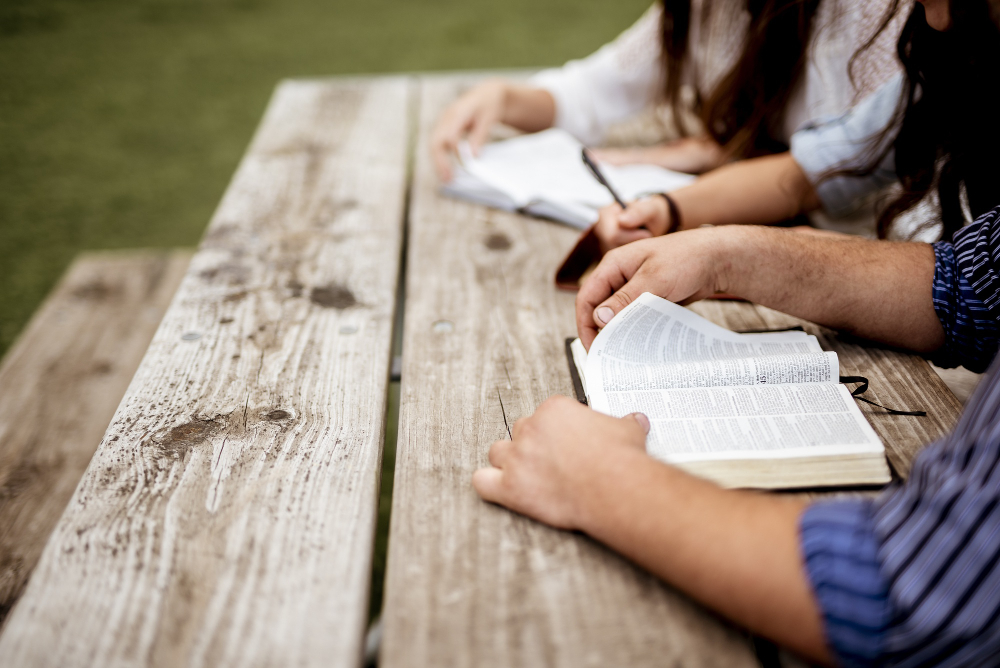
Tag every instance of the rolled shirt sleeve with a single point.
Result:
(965, 294)
(846, 142)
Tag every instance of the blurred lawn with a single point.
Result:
(121, 122)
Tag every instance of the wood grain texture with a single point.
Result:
(468, 583)
(227, 517)
(60, 385)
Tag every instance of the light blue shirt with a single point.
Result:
(846, 142)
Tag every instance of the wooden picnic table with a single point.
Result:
(229, 513)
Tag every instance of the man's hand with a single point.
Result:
(642, 219)
(554, 459)
(473, 115)
(682, 267)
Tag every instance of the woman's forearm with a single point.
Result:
(527, 108)
(759, 191)
(878, 290)
(735, 552)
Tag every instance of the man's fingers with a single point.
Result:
(612, 273)
(498, 453)
(488, 483)
(517, 427)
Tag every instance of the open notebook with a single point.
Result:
(542, 174)
(744, 410)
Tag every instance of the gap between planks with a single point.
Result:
(60, 385)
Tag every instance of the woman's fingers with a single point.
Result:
(642, 219)
(479, 132)
(444, 142)
(650, 213)
(441, 152)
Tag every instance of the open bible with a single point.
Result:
(743, 410)
(542, 175)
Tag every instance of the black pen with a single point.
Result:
(592, 166)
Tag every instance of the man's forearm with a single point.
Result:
(878, 290)
(736, 552)
(759, 191)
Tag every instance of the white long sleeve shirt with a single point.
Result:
(626, 76)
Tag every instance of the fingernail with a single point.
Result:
(604, 314)
(642, 420)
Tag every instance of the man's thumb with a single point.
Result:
(641, 419)
(613, 305)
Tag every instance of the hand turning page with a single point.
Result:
(757, 410)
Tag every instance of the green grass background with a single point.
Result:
(121, 121)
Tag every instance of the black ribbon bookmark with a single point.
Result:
(863, 387)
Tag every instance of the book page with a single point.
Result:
(544, 174)
(655, 343)
(747, 421)
(714, 394)
(617, 374)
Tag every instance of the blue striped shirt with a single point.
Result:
(912, 578)
(966, 296)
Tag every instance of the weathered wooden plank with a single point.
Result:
(960, 381)
(60, 385)
(468, 583)
(227, 517)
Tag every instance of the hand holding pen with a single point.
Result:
(651, 216)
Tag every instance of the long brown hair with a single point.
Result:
(946, 136)
(748, 103)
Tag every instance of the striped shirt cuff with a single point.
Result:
(840, 552)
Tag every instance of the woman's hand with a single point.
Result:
(473, 115)
(555, 457)
(642, 219)
(694, 155)
(682, 267)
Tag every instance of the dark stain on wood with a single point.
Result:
(180, 438)
(278, 414)
(230, 272)
(498, 241)
(96, 291)
(102, 369)
(333, 296)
